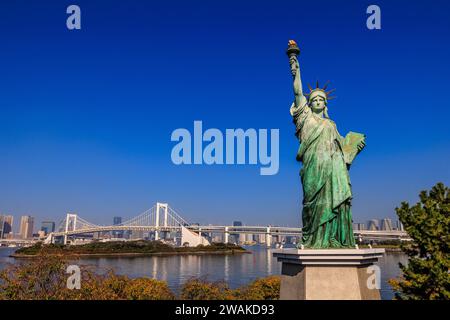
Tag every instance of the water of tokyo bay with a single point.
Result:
(236, 269)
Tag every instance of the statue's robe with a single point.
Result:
(327, 218)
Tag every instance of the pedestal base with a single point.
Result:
(329, 274)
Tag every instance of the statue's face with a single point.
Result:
(318, 104)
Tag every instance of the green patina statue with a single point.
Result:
(326, 158)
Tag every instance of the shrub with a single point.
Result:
(147, 289)
(200, 289)
(42, 278)
(267, 288)
(261, 289)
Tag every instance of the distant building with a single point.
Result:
(386, 224)
(41, 234)
(6, 223)
(119, 233)
(238, 238)
(117, 220)
(355, 226)
(9, 235)
(373, 225)
(359, 226)
(48, 227)
(26, 227)
(127, 234)
(400, 226)
(136, 234)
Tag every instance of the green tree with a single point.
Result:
(426, 276)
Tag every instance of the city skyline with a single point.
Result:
(87, 125)
(46, 225)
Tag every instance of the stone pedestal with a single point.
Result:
(329, 274)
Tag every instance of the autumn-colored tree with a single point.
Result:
(267, 288)
(426, 276)
(42, 278)
(200, 289)
(147, 289)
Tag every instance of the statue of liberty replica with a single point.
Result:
(326, 157)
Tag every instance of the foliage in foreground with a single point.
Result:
(45, 278)
(428, 223)
(267, 288)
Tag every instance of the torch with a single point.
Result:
(292, 51)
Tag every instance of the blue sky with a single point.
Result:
(86, 116)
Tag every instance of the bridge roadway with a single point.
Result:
(228, 230)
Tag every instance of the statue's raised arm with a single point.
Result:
(295, 70)
(293, 51)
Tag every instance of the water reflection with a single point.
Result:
(236, 269)
(390, 269)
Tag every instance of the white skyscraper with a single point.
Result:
(373, 225)
(386, 224)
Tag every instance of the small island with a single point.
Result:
(115, 249)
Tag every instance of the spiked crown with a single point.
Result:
(318, 91)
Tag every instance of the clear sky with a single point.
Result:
(86, 116)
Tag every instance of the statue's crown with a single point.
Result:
(318, 91)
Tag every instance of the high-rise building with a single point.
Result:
(48, 227)
(117, 220)
(400, 226)
(373, 225)
(386, 224)
(6, 223)
(119, 233)
(26, 227)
